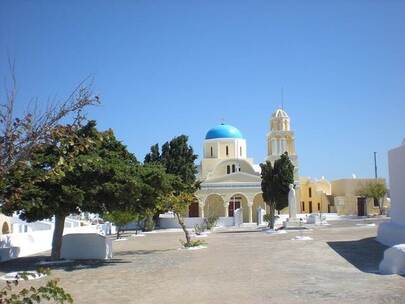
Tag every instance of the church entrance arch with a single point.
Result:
(239, 200)
(214, 205)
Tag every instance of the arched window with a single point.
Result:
(212, 154)
(228, 169)
(233, 168)
(227, 150)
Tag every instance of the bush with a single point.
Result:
(51, 292)
(199, 229)
(211, 221)
(267, 217)
(149, 223)
(192, 243)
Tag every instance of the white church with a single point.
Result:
(229, 178)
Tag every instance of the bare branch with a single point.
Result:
(18, 136)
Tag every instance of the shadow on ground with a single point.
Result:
(237, 231)
(31, 263)
(141, 252)
(365, 254)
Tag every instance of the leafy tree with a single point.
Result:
(375, 189)
(81, 169)
(156, 185)
(178, 158)
(154, 155)
(275, 184)
(120, 219)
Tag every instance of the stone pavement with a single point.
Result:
(339, 265)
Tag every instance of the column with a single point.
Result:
(273, 146)
(226, 205)
(201, 206)
(283, 145)
(250, 211)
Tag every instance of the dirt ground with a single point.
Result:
(244, 265)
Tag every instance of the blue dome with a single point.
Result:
(223, 131)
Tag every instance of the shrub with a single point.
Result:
(51, 292)
(198, 229)
(192, 243)
(211, 221)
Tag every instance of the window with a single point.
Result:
(309, 192)
(303, 206)
(376, 203)
(319, 206)
(227, 150)
(233, 168)
(240, 151)
(228, 169)
(212, 154)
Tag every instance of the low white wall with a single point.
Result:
(25, 244)
(170, 222)
(167, 222)
(84, 246)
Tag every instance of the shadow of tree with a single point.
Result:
(31, 263)
(237, 231)
(141, 252)
(365, 254)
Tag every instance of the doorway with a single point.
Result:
(233, 205)
(310, 207)
(193, 210)
(361, 206)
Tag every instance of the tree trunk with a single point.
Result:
(118, 232)
(57, 237)
(272, 215)
(183, 226)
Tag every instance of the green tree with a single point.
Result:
(375, 189)
(275, 184)
(120, 218)
(79, 170)
(156, 186)
(178, 158)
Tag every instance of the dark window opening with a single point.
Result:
(310, 192)
(376, 203)
(227, 151)
(319, 206)
(303, 206)
(233, 168)
(310, 207)
(228, 169)
(212, 154)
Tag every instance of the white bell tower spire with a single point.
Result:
(281, 139)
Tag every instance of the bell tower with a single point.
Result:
(281, 139)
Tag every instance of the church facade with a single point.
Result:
(231, 180)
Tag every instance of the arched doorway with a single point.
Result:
(239, 200)
(5, 229)
(214, 206)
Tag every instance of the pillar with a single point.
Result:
(201, 206)
(273, 146)
(250, 211)
(226, 205)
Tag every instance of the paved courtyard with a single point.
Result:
(339, 265)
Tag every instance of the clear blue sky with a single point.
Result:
(164, 68)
